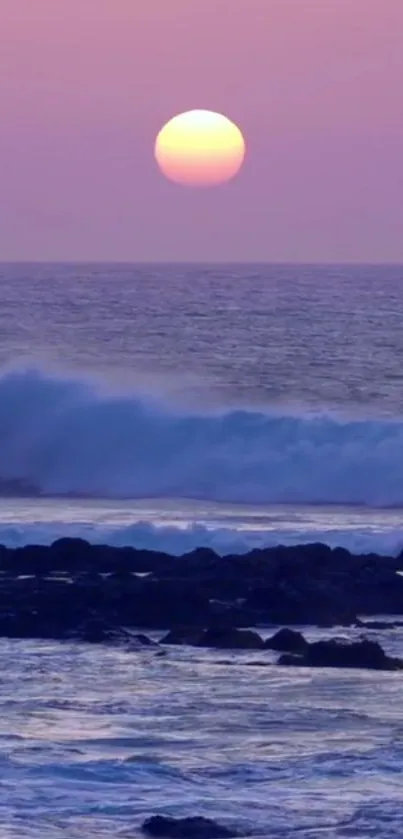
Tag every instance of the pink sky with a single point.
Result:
(315, 85)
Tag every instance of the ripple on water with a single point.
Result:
(92, 741)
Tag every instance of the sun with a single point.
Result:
(200, 148)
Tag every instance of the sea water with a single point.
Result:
(174, 406)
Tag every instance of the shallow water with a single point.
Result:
(93, 741)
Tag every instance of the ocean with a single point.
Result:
(228, 406)
(171, 407)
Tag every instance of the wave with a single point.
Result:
(61, 436)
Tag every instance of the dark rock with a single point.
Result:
(166, 602)
(231, 639)
(72, 554)
(202, 556)
(182, 636)
(287, 641)
(219, 638)
(67, 544)
(144, 640)
(195, 827)
(292, 660)
(365, 654)
(96, 631)
(287, 586)
(305, 601)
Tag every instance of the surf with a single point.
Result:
(67, 436)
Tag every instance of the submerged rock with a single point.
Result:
(367, 655)
(194, 827)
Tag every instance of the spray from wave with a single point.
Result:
(63, 436)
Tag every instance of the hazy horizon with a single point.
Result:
(207, 263)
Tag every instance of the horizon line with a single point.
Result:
(211, 263)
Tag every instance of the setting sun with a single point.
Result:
(200, 148)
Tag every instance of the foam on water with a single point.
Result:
(180, 540)
(65, 436)
(95, 740)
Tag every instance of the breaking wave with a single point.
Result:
(63, 436)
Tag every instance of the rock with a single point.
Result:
(143, 640)
(194, 827)
(167, 602)
(365, 654)
(286, 586)
(220, 638)
(287, 641)
(68, 545)
(292, 660)
(301, 600)
(96, 631)
(231, 639)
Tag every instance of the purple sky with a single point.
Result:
(315, 85)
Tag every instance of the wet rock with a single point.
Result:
(96, 631)
(182, 636)
(195, 827)
(231, 639)
(287, 641)
(220, 638)
(365, 654)
(166, 602)
(143, 640)
(286, 586)
(305, 601)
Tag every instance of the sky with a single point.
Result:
(316, 86)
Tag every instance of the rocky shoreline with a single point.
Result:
(57, 591)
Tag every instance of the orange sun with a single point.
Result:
(200, 148)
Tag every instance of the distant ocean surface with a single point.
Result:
(250, 403)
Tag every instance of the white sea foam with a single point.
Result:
(179, 540)
(95, 740)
